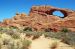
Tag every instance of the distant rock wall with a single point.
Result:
(41, 18)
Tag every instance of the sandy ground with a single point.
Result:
(45, 43)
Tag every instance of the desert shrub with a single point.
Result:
(26, 43)
(13, 27)
(46, 34)
(69, 38)
(54, 45)
(64, 30)
(9, 32)
(65, 36)
(16, 36)
(1, 28)
(0, 35)
(47, 30)
(5, 30)
(29, 33)
(50, 34)
(36, 35)
(5, 42)
(19, 44)
(8, 42)
(11, 45)
(0, 45)
(27, 29)
(57, 35)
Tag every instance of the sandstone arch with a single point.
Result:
(53, 10)
(49, 10)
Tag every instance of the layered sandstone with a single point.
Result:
(41, 18)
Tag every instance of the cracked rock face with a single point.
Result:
(41, 18)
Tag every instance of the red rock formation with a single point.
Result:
(41, 17)
(49, 10)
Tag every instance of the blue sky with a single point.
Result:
(8, 8)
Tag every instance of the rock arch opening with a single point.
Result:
(58, 13)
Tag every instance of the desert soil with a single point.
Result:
(45, 43)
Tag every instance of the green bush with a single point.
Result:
(36, 35)
(29, 33)
(64, 30)
(9, 32)
(16, 36)
(47, 30)
(27, 29)
(12, 27)
(69, 38)
(1, 28)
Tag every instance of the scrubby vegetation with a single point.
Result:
(10, 39)
(27, 29)
(14, 38)
(8, 42)
(54, 45)
(64, 30)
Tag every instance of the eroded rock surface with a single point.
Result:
(41, 18)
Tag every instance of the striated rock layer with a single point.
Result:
(41, 18)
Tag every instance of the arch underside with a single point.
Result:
(53, 10)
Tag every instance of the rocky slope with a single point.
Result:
(41, 18)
